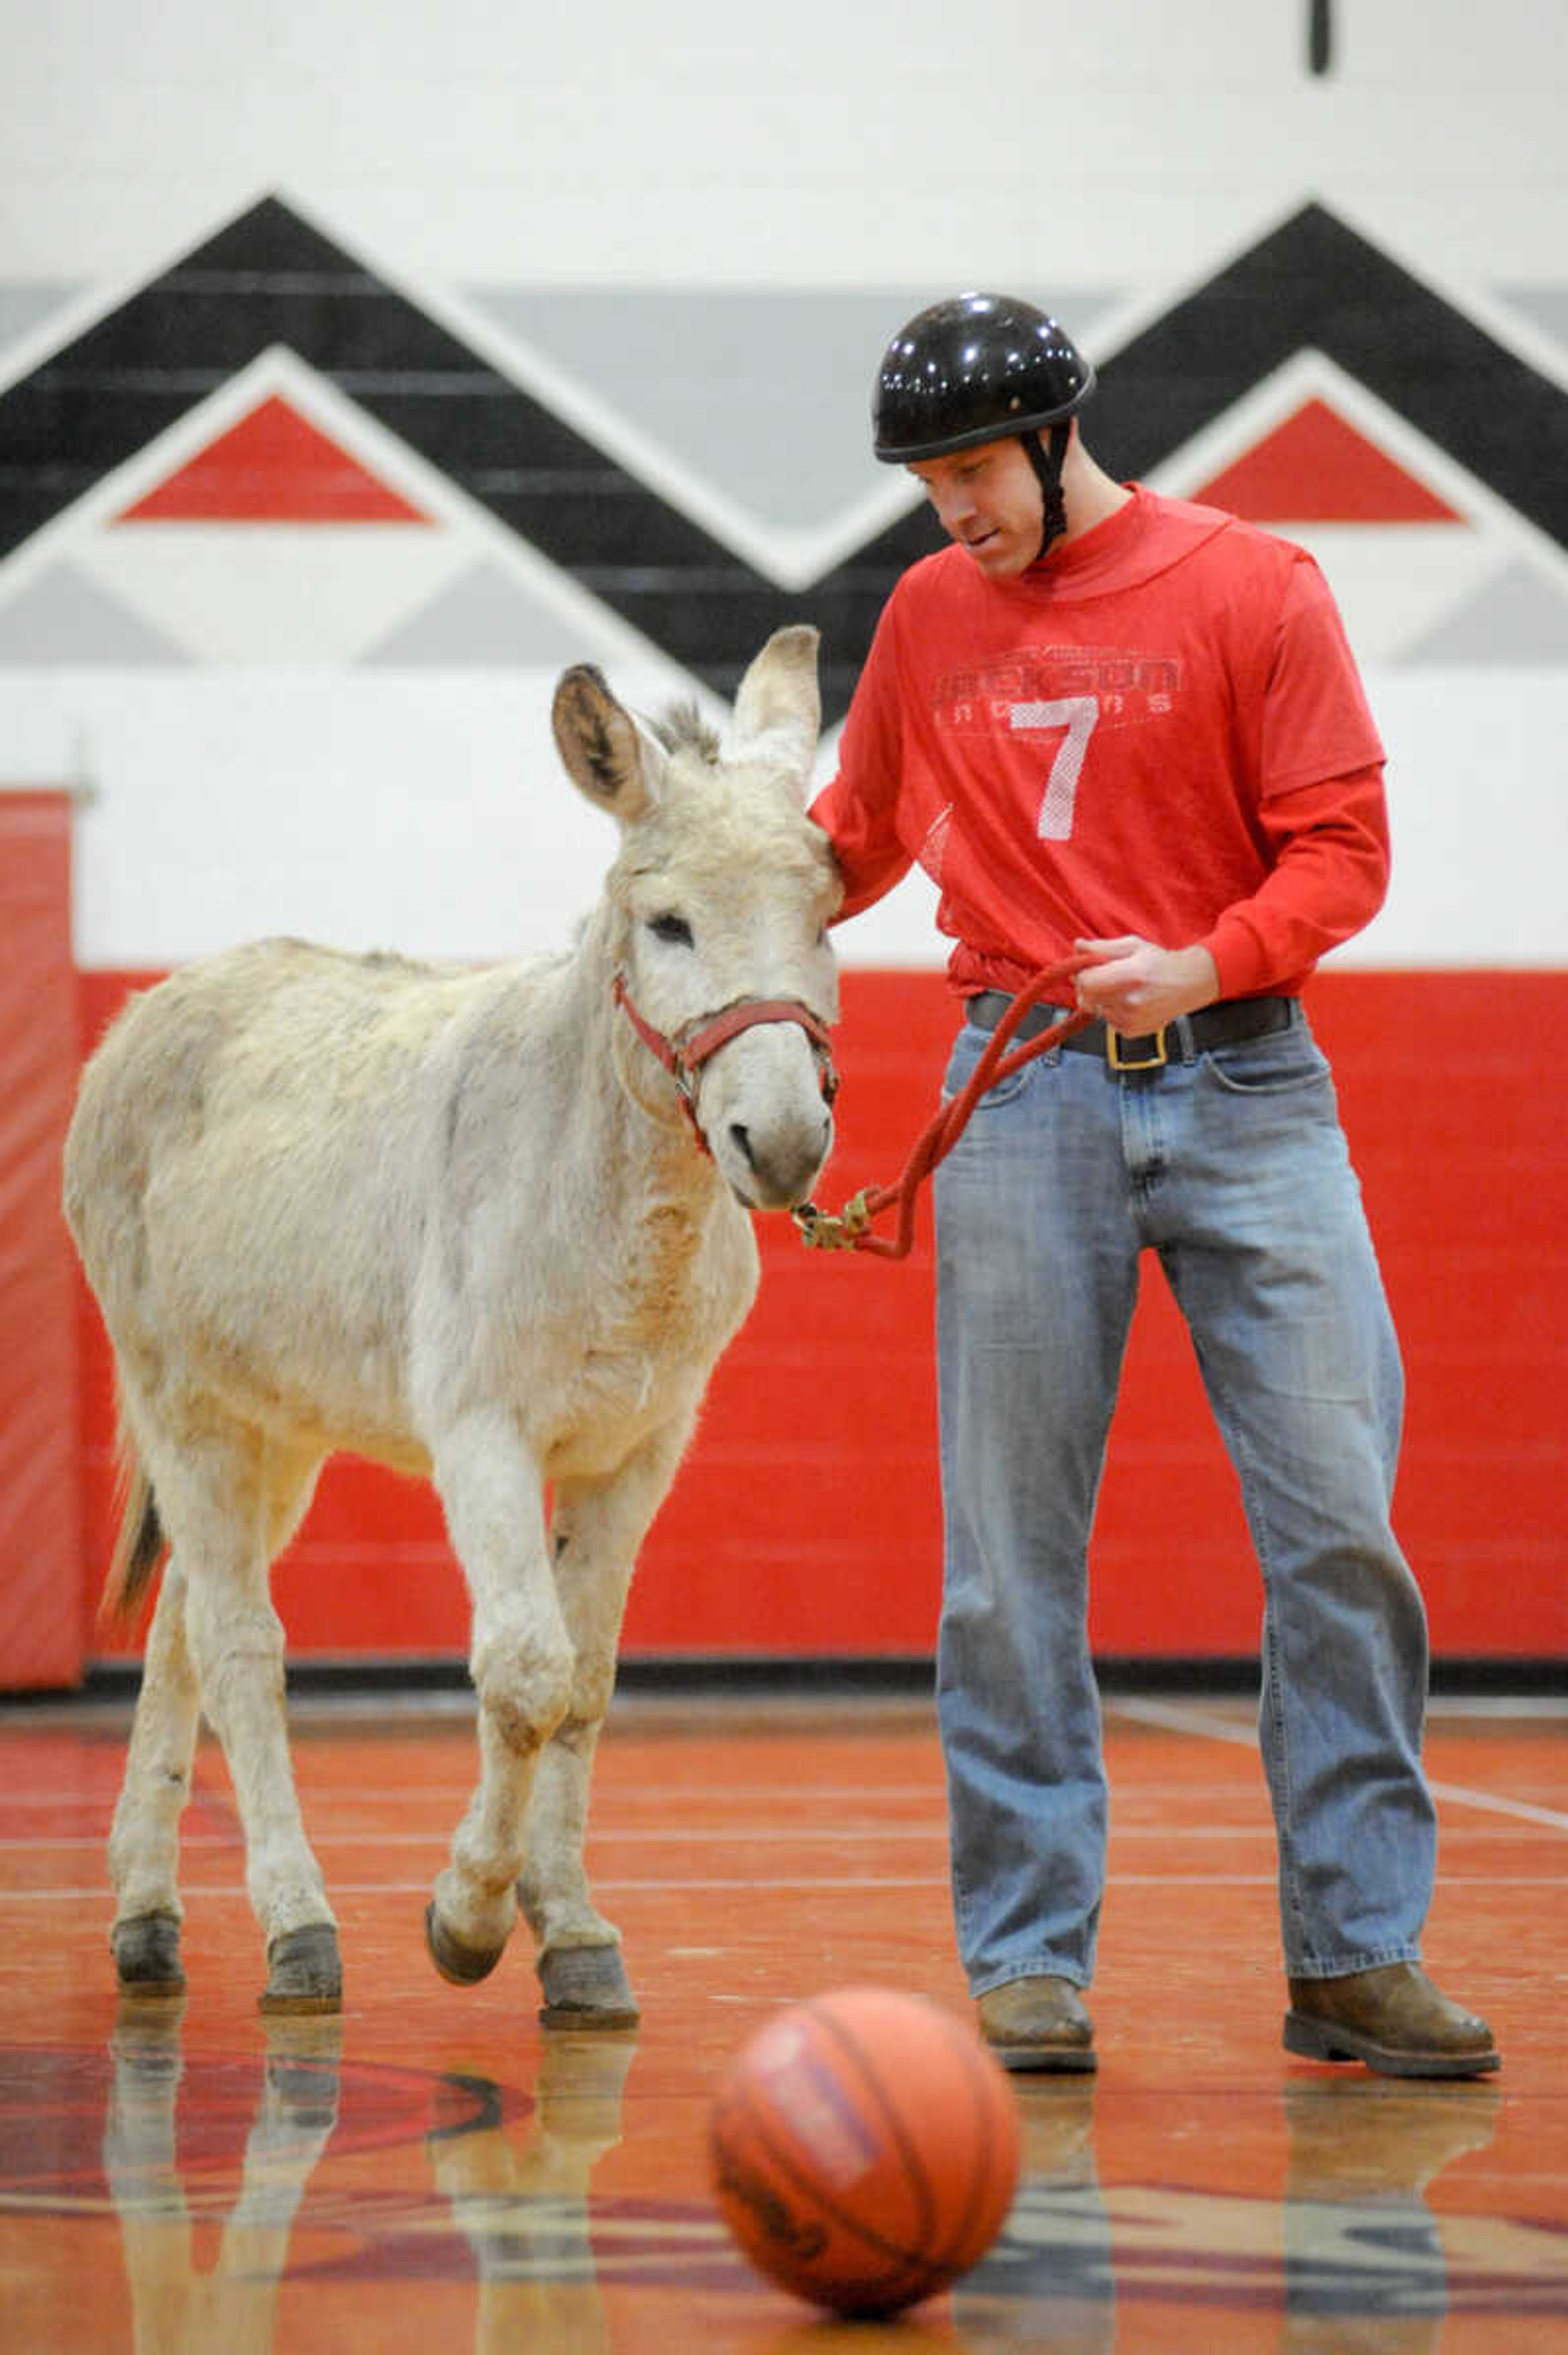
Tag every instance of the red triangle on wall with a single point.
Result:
(273, 466)
(1315, 468)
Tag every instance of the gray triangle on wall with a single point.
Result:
(62, 617)
(1546, 306)
(1518, 618)
(24, 303)
(484, 618)
(766, 396)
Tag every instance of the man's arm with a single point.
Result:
(1328, 879)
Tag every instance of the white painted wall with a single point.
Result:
(430, 814)
(712, 142)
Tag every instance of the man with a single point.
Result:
(1128, 730)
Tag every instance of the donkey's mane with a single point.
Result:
(683, 729)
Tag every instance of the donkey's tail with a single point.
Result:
(139, 1547)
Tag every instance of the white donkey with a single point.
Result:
(487, 1226)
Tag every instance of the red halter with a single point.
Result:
(684, 1056)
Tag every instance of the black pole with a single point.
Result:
(1320, 35)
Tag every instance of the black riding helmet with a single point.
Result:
(973, 369)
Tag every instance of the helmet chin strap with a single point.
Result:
(1046, 459)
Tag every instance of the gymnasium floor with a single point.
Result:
(428, 2172)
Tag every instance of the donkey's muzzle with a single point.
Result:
(783, 1162)
(775, 1165)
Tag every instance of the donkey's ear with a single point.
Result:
(778, 711)
(608, 757)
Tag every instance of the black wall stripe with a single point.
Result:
(270, 278)
(1314, 282)
(1319, 36)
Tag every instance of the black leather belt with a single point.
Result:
(1224, 1024)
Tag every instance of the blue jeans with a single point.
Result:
(1232, 1166)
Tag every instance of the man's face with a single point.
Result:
(989, 499)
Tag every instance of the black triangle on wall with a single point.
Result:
(1313, 282)
(270, 278)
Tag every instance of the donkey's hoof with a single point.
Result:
(146, 1952)
(586, 1986)
(459, 1964)
(303, 1973)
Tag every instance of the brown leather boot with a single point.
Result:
(1038, 2024)
(1393, 2019)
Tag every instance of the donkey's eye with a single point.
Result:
(672, 928)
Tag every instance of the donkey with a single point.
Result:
(489, 1227)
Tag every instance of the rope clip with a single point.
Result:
(820, 1231)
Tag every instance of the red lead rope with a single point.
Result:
(851, 1230)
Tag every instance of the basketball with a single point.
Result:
(865, 2149)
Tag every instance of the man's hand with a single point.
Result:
(1136, 987)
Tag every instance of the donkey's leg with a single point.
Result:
(222, 1499)
(305, 1972)
(143, 1845)
(520, 1660)
(597, 1532)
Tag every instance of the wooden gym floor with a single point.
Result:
(430, 2172)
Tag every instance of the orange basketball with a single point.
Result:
(865, 2149)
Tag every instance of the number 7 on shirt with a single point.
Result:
(1076, 714)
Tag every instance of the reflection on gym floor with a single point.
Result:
(430, 2167)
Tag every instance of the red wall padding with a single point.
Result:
(806, 1517)
(41, 1632)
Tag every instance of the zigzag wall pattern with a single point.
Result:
(270, 278)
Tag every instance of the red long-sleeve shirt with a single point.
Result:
(1158, 730)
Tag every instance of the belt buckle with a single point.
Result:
(1120, 1062)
